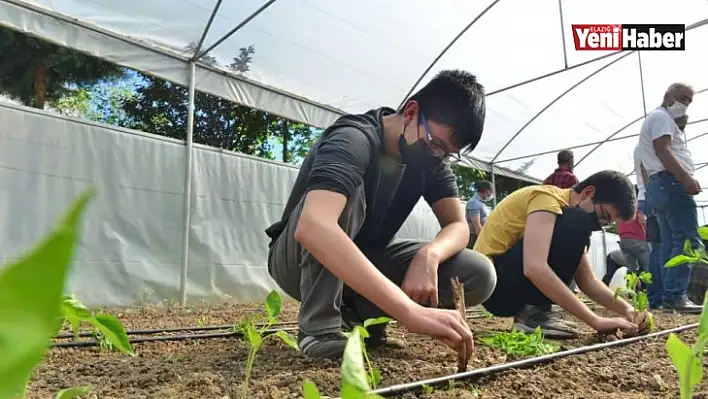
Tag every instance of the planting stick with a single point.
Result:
(438, 381)
(458, 295)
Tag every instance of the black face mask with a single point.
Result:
(416, 155)
(595, 222)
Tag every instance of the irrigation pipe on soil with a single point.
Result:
(284, 326)
(417, 385)
(155, 331)
(187, 337)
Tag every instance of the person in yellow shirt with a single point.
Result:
(537, 238)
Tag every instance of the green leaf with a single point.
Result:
(688, 367)
(703, 324)
(73, 392)
(112, 329)
(272, 305)
(377, 321)
(254, 338)
(288, 339)
(30, 294)
(310, 391)
(74, 312)
(71, 306)
(354, 377)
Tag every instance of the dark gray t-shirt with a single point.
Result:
(351, 153)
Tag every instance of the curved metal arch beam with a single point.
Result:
(206, 31)
(565, 148)
(235, 29)
(556, 72)
(555, 100)
(452, 42)
(626, 126)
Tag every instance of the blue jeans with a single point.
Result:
(655, 290)
(678, 221)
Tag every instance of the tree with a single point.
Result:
(35, 72)
(101, 103)
(466, 177)
(161, 107)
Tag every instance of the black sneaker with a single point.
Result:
(330, 346)
(682, 305)
(531, 317)
(378, 336)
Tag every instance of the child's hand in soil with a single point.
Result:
(610, 324)
(641, 319)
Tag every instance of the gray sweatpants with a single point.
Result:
(320, 293)
(636, 252)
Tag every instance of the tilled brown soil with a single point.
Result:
(215, 368)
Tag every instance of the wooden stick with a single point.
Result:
(458, 295)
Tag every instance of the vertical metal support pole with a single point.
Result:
(703, 210)
(494, 185)
(604, 249)
(641, 80)
(187, 210)
(565, 51)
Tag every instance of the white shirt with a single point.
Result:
(659, 123)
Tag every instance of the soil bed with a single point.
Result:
(214, 368)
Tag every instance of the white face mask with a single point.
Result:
(489, 198)
(677, 109)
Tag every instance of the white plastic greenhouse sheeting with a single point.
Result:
(315, 59)
(131, 244)
(130, 247)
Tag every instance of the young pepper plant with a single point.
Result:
(637, 295)
(373, 373)
(256, 337)
(31, 291)
(688, 361)
(355, 380)
(109, 330)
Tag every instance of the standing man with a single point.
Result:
(537, 238)
(477, 210)
(333, 249)
(563, 176)
(670, 188)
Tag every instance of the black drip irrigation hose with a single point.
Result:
(186, 337)
(155, 331)
(284, 326)
(417, 385)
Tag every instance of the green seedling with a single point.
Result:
(427, 389)
(31, 291)
(374, 374)
(72, 393)
(256, 337)
(355, 381)
(518, 343)
(638, 297)
(108, 330)
(688, 361)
